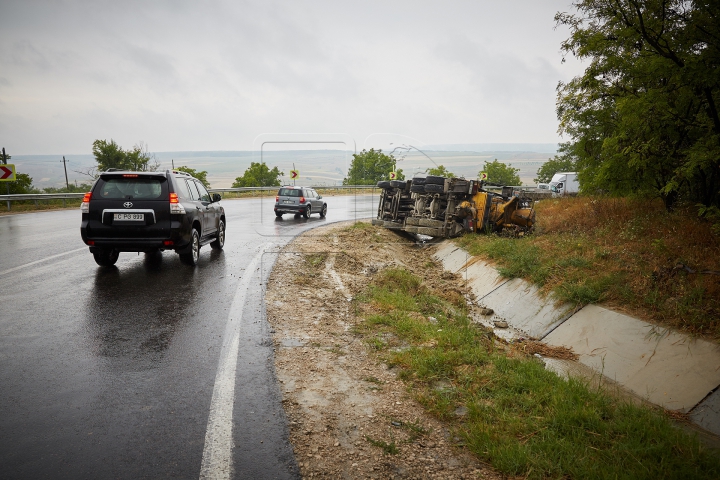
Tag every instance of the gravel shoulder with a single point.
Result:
(349, 414)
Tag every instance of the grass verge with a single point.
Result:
(505, 407)
(628, 254)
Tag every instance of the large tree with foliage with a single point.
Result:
(560, 163)
(259, 175)
(500, 173)
(370, 166)
(644, 115)
(200, 175)
(110, 155)
(440, 171)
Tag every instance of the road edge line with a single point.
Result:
(217, 452)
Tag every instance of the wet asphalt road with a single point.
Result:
(109, 373)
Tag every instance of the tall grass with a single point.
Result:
(522, 419)
(627, 253)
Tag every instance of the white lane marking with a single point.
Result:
(41, 260)
(217, 453)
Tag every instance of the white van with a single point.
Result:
(564, 183)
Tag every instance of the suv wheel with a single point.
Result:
(192, 257)
(308, 211)
(278, 214)
(219, 243)
(106, 257)
(323, 212)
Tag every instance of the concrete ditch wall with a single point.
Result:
(664, 367)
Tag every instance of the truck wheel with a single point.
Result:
(434, 188)
(383, 184)
(417, 188)
(434, 179)
(397, 184)
(418, 181)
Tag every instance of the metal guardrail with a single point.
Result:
(69, 196)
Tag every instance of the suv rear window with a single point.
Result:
(136, 188)
(290, 192)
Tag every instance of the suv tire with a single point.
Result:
(323, 212)
(192, 257)
(308, 211)
(219, 242)
(278, 214)
(106, 257)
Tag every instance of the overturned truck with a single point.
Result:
(448, 207)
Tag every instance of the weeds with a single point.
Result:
(521, 418)
(622, 252)
(387, 448)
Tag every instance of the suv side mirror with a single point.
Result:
(216, 197)
(319, 196)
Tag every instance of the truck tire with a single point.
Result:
(417, 188)
(397, 184)
(434, 179)
(383, 184)
(418, 181)
(434, 188)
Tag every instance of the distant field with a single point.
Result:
(316, 167)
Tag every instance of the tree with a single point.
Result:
(643, 117)
(500, 173)
(560, 163)
(202, 176)
(440, 171)
(370, 166)
(259, 175)
(110, 155)
(22, 184)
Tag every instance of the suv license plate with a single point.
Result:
(287, 201)
(129, 217)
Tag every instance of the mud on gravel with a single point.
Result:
(349, 414)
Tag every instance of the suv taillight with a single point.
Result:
(302, 199)
(85, 205)
(277, 197)
(175, 205)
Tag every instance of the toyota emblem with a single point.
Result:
(127, 204)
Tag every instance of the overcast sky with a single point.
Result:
(213, 75)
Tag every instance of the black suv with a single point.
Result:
(150, 212)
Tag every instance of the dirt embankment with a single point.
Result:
(350, 416)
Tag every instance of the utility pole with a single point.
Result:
(67, 184)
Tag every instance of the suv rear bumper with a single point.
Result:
(134, 245)
(290, 208)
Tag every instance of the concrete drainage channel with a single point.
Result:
(663, 367)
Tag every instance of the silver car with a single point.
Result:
(300, 201)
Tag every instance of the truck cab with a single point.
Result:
(564, 183)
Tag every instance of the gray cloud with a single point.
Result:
(213, 75)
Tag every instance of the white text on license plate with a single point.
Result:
(129, 217)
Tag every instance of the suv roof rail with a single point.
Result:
(178, 172)
(115, 169)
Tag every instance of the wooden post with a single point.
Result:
(67, 185)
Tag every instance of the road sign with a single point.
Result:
(294, 174)
(483, 176)
(7, 173)
(393, 175)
